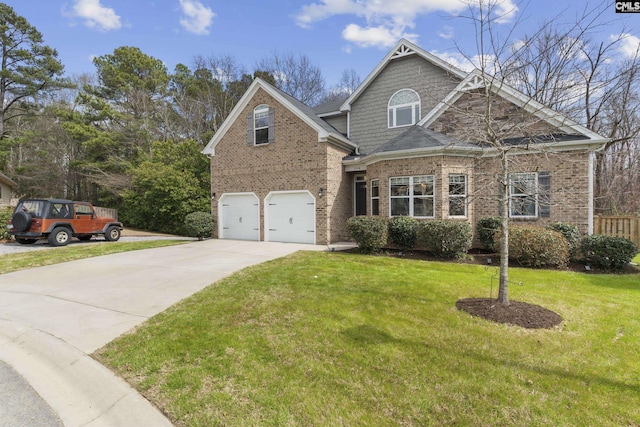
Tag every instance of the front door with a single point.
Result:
(361, 196)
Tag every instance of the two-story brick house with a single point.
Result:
(411, 140)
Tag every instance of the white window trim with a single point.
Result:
(415, 110)
(377, 181)
(459, 196)
(412, 197)
(534, 196)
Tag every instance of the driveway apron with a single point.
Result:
(53, 317)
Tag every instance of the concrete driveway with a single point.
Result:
(53, 317)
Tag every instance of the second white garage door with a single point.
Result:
(290, 216)
(239, 216)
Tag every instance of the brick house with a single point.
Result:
(406, 142)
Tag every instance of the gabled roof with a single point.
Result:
(402, 49)
(7, 181)
(476, 80)
(326, 132)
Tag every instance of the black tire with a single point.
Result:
(112, 234)
(60, 236)
(85, 237)
(24, 241)
(21, 221)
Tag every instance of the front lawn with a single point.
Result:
(330, 339)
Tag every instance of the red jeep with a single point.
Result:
(58, 221)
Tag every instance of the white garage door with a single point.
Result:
(290, 217)
(239, 216)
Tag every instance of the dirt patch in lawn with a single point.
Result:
(517, 313)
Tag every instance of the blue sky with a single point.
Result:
(334, 34)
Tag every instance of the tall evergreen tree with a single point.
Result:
(28, 68)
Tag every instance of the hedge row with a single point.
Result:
(447, 238)
(531, 246)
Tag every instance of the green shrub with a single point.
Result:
(5, 216)
(538, 247)
(369, 232)
(199, 224)
(487, 227)
(446, 238)
(403, 232)
(570, 232)
(608, 252)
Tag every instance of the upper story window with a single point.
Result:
(260, 125)
(404, 108)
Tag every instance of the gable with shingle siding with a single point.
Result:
(369, 114)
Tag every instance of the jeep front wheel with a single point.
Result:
(60, 236)
(112, 234)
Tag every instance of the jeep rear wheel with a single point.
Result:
(21, 221)
(60, 236)
(112, 234)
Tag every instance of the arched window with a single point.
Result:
(404, 108)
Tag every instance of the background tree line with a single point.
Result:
(129, 135)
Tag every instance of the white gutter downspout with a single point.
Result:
(592, 156)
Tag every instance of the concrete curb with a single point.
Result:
(82, 392)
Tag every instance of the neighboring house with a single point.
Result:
(406, 142)
(6, 190)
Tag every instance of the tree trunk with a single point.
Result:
(503, 290)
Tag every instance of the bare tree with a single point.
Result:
(565, 69)
(348, 83)
(295, 75)
(543, 67)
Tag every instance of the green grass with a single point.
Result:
(38, 258)
(330, 339)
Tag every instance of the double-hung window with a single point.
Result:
(457, 195)
(523, 195)
(261, 124)
(412, 196)
(404, 108)
(375, 197)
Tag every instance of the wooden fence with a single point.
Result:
(627, 226)
(106, 212)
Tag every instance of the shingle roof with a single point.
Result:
(7, 181)
(417, 137)
(329, 106)
(308, 111)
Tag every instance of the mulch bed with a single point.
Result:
(517, 313)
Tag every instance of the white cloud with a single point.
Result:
(385, 21)
(629, 45)
(96, 15)
(379, 36)
(197, 17)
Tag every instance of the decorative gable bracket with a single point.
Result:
(475, 82)
(402, 51)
